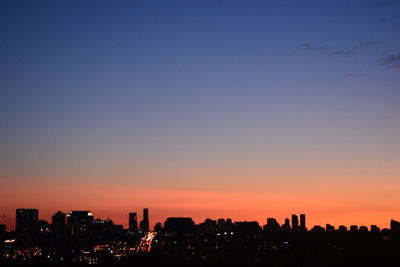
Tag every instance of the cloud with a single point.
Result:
(327, 50)
(370, 44)
(391, 61)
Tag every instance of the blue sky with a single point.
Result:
(177, 67)
(198, 94)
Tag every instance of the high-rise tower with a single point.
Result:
(58, 223)
(80, 226)
(26, 226)
(144, 224)
(303, 222)
(295, 223)
(133, 223)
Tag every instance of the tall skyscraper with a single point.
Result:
(80, 228)
(2, 234)
(303, 222)
(144, 224)
(2, 229)
(58, 222)
(2, 237)
(133, 223)
(295, 223)
(26, 226)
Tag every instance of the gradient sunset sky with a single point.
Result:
(206, 109)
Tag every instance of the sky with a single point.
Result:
(204, 109)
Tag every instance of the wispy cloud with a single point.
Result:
(328, 50)
(370, 44)
(391, 61)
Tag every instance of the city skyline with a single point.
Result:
(77, 238)
(202, 109)
(27, 221)
(296, 222)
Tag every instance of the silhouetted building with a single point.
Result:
(272, 225)
(221, 226)
(26, 226)
(394, 225)
(43, 226)
(249, 229)
(2, 229)
(98, 229)
(208, 227)
(109, 226)
(80, 228)
(303, 222)
(158, 227)
(133, 223)
(318, 228)
(2, 232)
(58, 223)
(111, 230)
(43, 233)
(118, 229)
(375, 229)
(144, 224)
(286, 225)
(2, 238)
(295, 223)
(330, 228)
(179, 226)
(229, 226)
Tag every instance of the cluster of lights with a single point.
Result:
(225, 233)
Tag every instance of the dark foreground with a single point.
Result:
(256, 249)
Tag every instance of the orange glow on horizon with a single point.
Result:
(335, 205)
